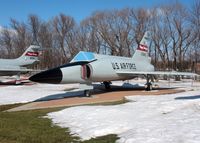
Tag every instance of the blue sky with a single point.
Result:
(78, 9)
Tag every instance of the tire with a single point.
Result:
(87, 93)
(107, 85)
(149, 87)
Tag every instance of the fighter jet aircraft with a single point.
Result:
(9, 67)
(88, 67)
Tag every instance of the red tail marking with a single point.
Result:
(143, 48)
(33, 54)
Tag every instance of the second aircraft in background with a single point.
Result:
(10, 67)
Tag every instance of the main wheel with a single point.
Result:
(149, 86)
(107, 85)
(87, 93)
(18, 82)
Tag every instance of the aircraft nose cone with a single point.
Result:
(53, 76)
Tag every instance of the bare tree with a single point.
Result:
(103, 22)
(180, 32)
(22, 37)
(112, 30)
(195, 21)
(88, 37)
(6, 41)
(45, 36)
(140, 22)
(63, 26)
(161, 38)
(34, 23)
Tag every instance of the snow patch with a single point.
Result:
(150, 119)
(23, 94)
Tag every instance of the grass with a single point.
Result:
(104, 139)
(6, 107)
(31, 127)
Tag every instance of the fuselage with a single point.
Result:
(103, 68)
(17, 62)
(9, 67)
(8, 64)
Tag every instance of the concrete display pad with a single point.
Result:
(98, 97)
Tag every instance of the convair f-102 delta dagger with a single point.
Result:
(88, 67)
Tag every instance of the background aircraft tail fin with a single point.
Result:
(30, 56)
(141, 53)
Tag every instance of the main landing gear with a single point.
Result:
(87, 93)
(148, 85)
(107, 85)
(18, 81)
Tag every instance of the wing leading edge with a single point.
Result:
(156, 73)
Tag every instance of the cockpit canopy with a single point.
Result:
(83, 56)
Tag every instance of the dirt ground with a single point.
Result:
(98, 96)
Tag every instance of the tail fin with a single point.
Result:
(30, 56)
(141, 52)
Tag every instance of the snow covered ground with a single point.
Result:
(28, 93)
(150, 119)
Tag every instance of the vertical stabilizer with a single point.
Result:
(30, 56)
(141, 53)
